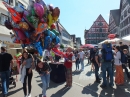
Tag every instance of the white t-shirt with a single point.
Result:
(81, 55)
(73, 58)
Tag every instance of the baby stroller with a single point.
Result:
(11, 81)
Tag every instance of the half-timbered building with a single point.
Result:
(124, 18)
(114, 21)
(98, 31)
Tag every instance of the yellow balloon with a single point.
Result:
(50, 20)
(23, 25)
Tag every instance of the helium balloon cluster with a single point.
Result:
(35, 26)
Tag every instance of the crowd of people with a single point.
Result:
(109, 57)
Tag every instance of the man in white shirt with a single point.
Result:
(81, 57)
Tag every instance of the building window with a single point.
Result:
(100, 30)
(19, 4)
(125, 13)
(100, 24)
(7, 1)
(3, 18)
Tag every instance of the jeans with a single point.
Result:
(5, 81)
(82, 64)
(96, 71)
(126, 70)
(89, 62)
(45, 82)
(29, 76)
(107, 66)
(77, 64)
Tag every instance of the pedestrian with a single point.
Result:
(124, 60)
(106, 56)
(28, 62)
(44, 70)
(81, 58)
(119, 78)
(88, 56)
(97, 65)
(5, 63)
(92, 53)
(68, 65)
(77, 60)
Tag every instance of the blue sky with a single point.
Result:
(76, 15)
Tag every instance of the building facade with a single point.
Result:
(85, 35)
(78, 42)
(4, 15)
(124, 18)
(114, 21)
(74, 40)
(65, 37)
(98, 31)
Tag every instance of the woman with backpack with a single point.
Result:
(119, 78)
(44, 70)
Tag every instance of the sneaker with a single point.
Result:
(5, 95)
(29, 95)
(97, 81)
(102, 86)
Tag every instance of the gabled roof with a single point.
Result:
(116, 16)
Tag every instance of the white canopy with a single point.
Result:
(116, 41)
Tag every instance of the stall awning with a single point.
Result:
(127, 38)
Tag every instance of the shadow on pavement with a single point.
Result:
(76, 73)
(60, 93)
(12, 92)
(52, 84)
(89, 89)
(89, 73)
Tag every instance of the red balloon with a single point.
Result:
(53, 26)
(112, 36)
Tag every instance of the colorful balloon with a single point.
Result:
(16, 17)
(41, 28)
(56, 12)
(50, 33)
(23, 25)
(37, 45)
(20, 34)
(39, 10)
(55, 32)
(47, 42)
(50, 7)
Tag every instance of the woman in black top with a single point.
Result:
(44, 70)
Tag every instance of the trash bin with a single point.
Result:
(57, 74)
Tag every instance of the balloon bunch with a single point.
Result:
(35, 26)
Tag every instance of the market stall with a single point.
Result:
(58, 72)
(114, 41)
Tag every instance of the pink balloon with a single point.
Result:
(39, 9)
(20, 34)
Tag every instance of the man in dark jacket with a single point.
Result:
(5, 63)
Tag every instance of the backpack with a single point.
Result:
(107, 53)
(123, 58)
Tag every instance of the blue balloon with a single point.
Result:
(50, 33)
(38, 46)
(27, 34)
(47, 42)
(57, 40)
